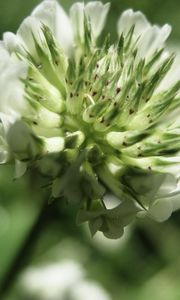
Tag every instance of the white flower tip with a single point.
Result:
(45, 5)
(96, 11)
(53, 144)
(161, 210)
(10, 41)
(20, 169)
(166, 29)
(52, 14)
(130, 18)
(3, 157)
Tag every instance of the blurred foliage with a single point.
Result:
(144, 265)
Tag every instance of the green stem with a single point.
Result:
(23, 254)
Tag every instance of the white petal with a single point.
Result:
(4, 155)
(130, 18)
(77, 17)
(172, 76)
(11, 41)
(4, 55)
(161, 37)
(152, 39)
(53, 15)
(161, 210)
(89, 290)
(96, 12)
(4, 149)
(53, 144)
(168, 185)
(6, 122)
(12, 99)
(20, 168)
(30, 27)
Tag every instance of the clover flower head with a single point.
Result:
(96, 118)
(65, 279)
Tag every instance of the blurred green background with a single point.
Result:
(144, 265)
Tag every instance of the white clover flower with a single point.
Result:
(63, 280)
(95, 118)
(51, 282)
(88, 290)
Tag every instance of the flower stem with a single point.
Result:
(24, 253)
